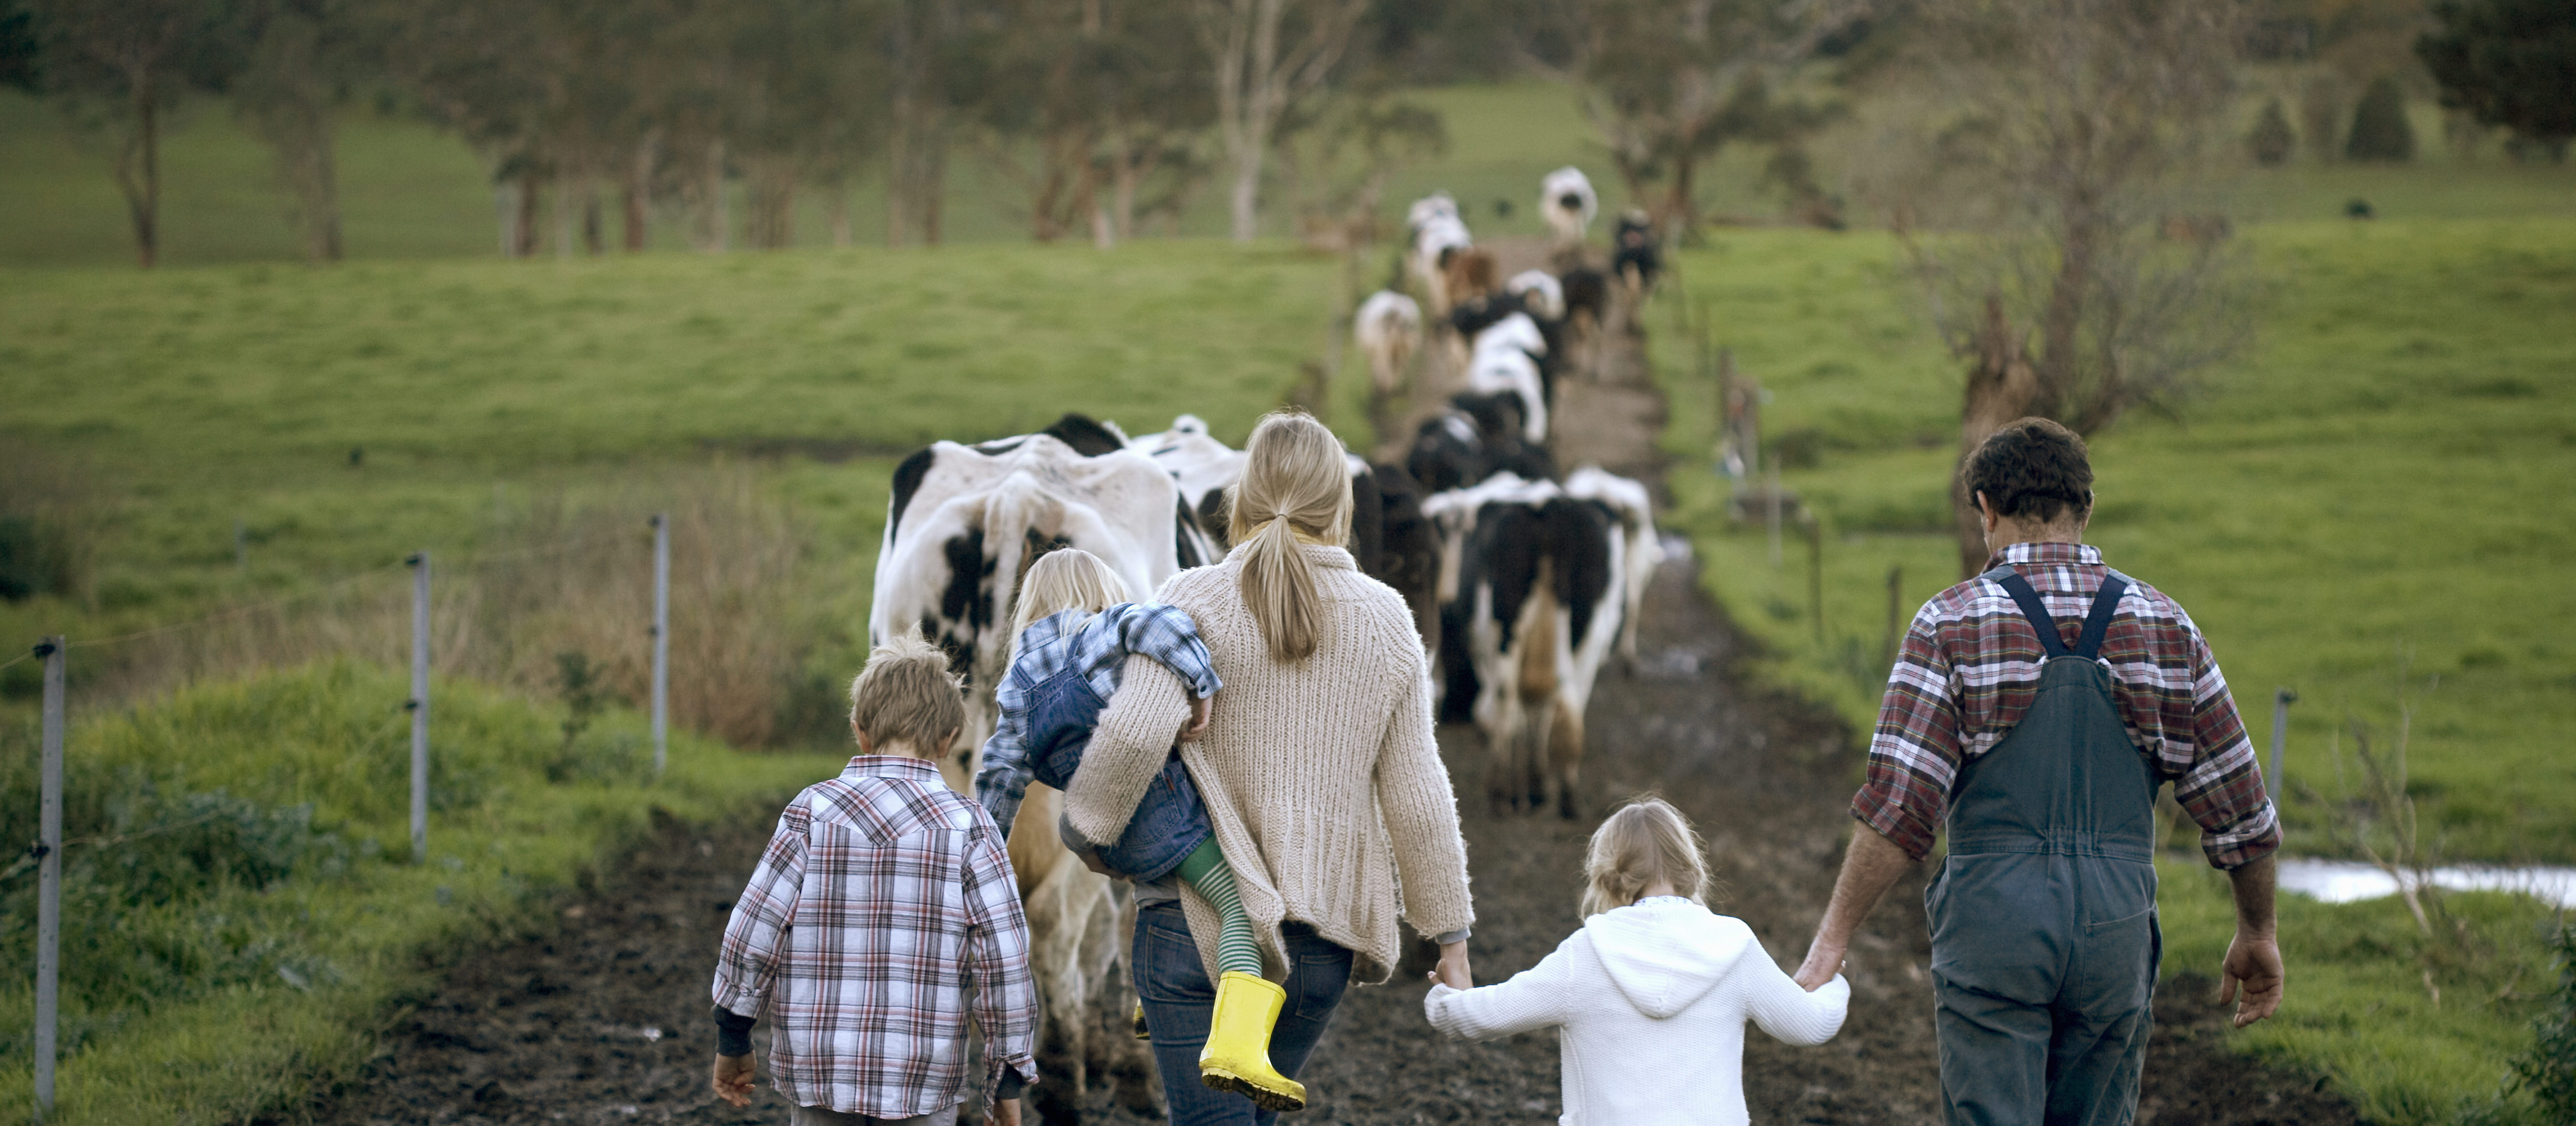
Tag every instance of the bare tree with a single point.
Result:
(918, 118)
(1269, 56)
(1669, 83)
(288, 94)
(120, 67)
(2077, 264)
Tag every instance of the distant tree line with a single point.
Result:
(1105, 116)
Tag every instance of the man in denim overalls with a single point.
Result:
(2034, 713)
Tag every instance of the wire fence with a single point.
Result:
(46, 852)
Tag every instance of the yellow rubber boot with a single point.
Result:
(1237, 1056)
(1137, 1023)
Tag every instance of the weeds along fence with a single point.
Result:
(562, 580)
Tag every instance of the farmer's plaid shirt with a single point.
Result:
(1098, 645)
(1970, 668)
(883, 898)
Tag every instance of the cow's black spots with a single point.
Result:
(907, 481)
(1088, 438)
(966, 602)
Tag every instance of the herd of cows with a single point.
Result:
(1523, 581)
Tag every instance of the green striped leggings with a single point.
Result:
(1206, 872)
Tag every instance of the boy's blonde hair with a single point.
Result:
(1067, 578)
(1296, 478)
(1647, 842)
(907, 695)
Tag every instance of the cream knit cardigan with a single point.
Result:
(1321, 777)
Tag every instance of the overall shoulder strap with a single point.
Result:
(2106, 603)
(2032, 609)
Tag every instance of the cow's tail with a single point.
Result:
(1543, 705)
(1018, 513)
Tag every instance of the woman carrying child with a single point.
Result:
(1653, 993)
(1319, 779)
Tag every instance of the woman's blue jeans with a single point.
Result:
(1179, 1000)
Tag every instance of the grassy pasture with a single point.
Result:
(2384, 479)
(200, 397)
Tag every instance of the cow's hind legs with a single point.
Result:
(1565, 760)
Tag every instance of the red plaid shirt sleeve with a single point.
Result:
(1914, 752)
(1970, 668)
(747, 960)
(997, 950)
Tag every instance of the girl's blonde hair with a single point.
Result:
(1296, 479)
(1067, 578)
(1647, 842)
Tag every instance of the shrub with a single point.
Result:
(2379, 127)
(2271, 141)
(2548, 1070)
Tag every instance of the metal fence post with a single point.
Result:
(2282, 698)
(419, 706)
(49, 877)
(661, 640)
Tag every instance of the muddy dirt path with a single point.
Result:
(606, 1020)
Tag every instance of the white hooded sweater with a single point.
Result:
(1650, 1002)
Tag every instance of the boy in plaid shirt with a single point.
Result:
(882, 895)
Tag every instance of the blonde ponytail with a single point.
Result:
(1296, 482)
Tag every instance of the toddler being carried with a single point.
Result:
(1074, 632)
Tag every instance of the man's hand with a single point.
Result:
(1870, 865)
(1824, 960)
(2254, 956)
(1453, 966)
(733, 1079)
(1005, 1113)
(2254, 965)
(1197, 724)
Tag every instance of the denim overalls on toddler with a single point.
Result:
(1055, 685)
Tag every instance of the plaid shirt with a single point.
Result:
(1970, 669)
(1098, 645)
(883, 898)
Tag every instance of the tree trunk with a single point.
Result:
(564, 216)
(1244, 200)
(638, 186)
(138, 172)
(2001, 389)
(714, 226)
(322, 197)
(526, 227)
(836, 210)
(592, 236)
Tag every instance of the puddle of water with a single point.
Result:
(2347, 881)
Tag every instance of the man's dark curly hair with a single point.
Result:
(2031, 467)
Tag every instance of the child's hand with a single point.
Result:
(1198, 721)
(733, 1079)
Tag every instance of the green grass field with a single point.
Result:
(2381, 483)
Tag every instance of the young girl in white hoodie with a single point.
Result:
(1651, 996)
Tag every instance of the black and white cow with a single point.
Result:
(965, 522)
(1537, 583)
(1389, 539)
(1634, 507)
(1477, 437)
(962, 527)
